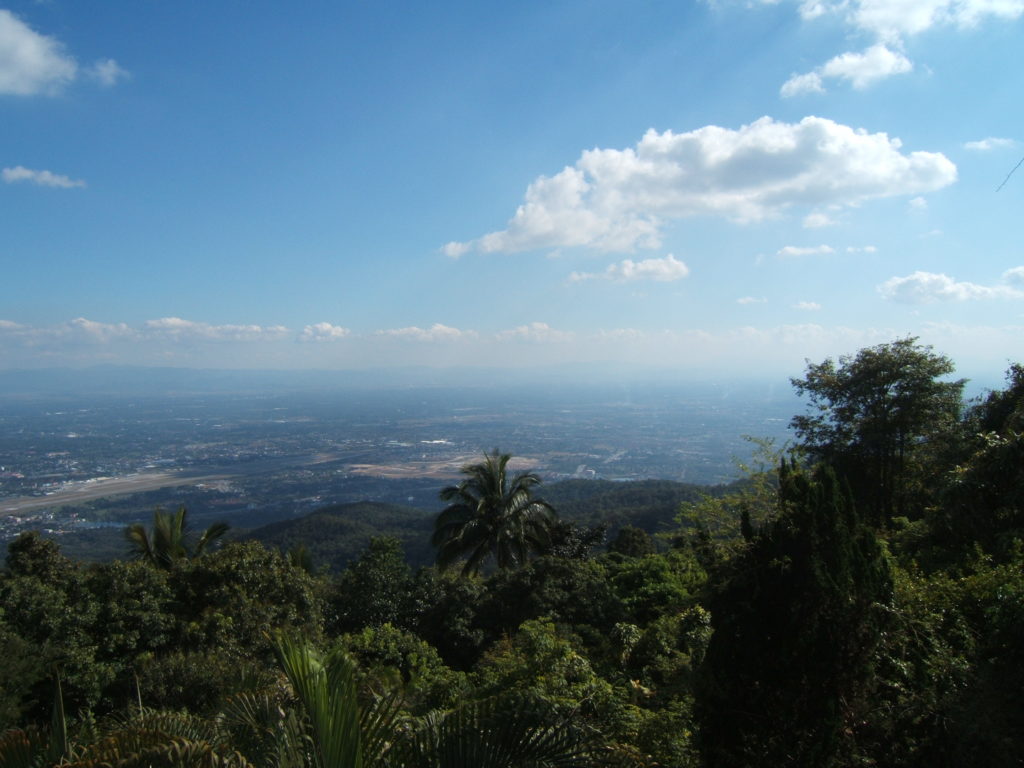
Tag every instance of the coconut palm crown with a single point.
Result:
(168, 542)
(491, 514)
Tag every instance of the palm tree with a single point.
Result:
(491, 515)
(168, 542)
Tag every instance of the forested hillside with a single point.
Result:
(857, 601)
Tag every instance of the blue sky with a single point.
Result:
(718, 187)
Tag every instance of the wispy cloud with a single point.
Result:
(619, 200)
(807, 306)
(751, 300)
(436, 332)
(535, 332)
(20, 173)
(108, 73)
(31, 63)
(802, 250)
(668, 269)
(177, 328)
(818, 220)
(986, 145)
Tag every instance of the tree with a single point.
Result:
(491, 514)
(871, 415)
(788, 673)
(169, 540)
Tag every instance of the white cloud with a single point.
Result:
(618, 200)
(536, 332)
(863, 69)
(797, 85)
(812, 250)
(40, 178)
(985, 145)
(918, 204)
(889, 22)
(177, 328)
(929, 287)
(454, 250)
(100, 332)
(663, 270)
(323, 332)
(818, 220)
(807, 306)
(893, 19)
(751, 300)
(859, 69)
(436, 332)
(31, 63)
(861, 249)
(108, 73)
(1014, 277)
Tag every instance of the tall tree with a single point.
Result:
(796, 618)
(492, 514)
(872, 414)
(169, 542)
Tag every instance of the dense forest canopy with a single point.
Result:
(858, 600)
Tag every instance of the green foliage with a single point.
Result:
(573, 593)
(788, 668)
(384, 650)
(654, 585)
(231, 599)
(539, 661)
(872, 416)
(169, 541)
(983, 504)
(491, 515)
(374, 589)
(632, 542)
(443, 610)
(341, 735)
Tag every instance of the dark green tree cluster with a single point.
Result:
(858, 601)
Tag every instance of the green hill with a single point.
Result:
(337, 534)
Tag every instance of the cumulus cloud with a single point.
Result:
(893, 20)
(619, 200)
(664, 270)
(20, 173)
(986, 145)
(31, 63)
(807, 306)
(177, 328)
(889, 22)
(323, 332)
(930, 287)
(537, 332)
(436, 332)
(861, 70)
(918, 204)
(811, 250)
(861, 249)
(107, 73)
